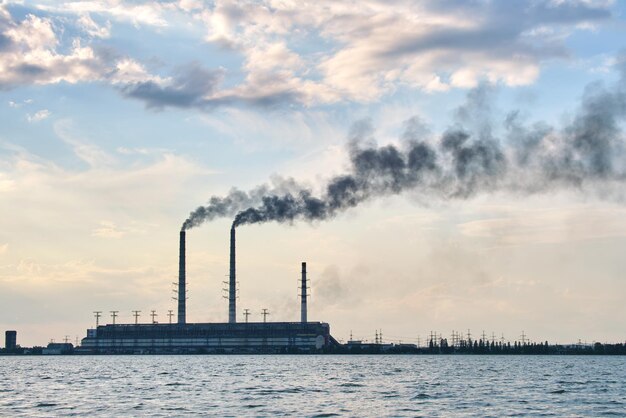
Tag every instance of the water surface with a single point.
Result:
(313, 386)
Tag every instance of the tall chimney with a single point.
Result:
(182, 292)
(303, 295)
(232, 288)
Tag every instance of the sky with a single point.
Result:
(118, 119)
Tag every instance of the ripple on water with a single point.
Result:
(45, 405)
(313, 386)
(350, 385)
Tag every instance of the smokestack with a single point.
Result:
(182, 292)
(303, 295)
(232, 288)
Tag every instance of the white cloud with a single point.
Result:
(109, 229)
(149, 13)
(311, 53)
(4, 248)
(38, 116)
(6, 184)
(92, 28)
(128, 71)
(372, 47)
(32, 56)
(190, 5)
(545, 226)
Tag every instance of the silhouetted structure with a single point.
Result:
(232, 283)
(250, 337)
(182, 281)
(10, 340)
(303, 295)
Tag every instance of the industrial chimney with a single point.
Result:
(232, 287)
(303, 295)
(182, 292)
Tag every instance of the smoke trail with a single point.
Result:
(587, 154)
(235, 201)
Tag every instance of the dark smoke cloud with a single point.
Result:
(237, 200)
(587, 154)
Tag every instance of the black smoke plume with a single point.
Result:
(586, 154)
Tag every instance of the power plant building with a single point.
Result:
(251, 337)
(229, 337)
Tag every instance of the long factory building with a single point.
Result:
(230, 337)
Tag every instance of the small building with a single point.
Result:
(10, 340)
(58, 348)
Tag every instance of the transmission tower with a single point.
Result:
(97, 314)
(246, 314)
(153, 314)
(114, 315)
(136, 315)
(265, 313)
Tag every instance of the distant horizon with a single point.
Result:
(439, 165)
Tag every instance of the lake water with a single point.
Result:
(312, 386)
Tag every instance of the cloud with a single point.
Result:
(82, 148)
(38, 116)
(191, 86)
(92, 28)
(32, 57)
(548, 226)
(371, 48)
(149, 13)
(35, 54)
(4, 248)
(109, 229)
(302, 54)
